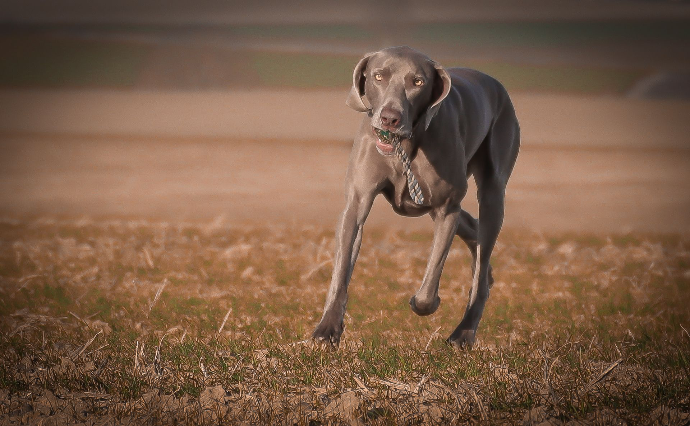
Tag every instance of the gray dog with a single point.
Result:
(427, 129)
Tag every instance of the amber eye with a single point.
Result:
(378, 76)
(418, 82)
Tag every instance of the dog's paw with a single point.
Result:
(462, 339)
(423, 309)
(327, 333)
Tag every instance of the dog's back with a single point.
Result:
(476, 83)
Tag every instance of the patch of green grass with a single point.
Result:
(386, 263)
(77, 63)
(56, 293)
(317, 32)
(625, 240)
(129, 386)
(501, 314)
(393, 285)
(586, 239)
(285, 276)
(557, 78)
(43, 61)
(380, 360)
(301, 70)
(579, 288)
(416, 236)
(621, 303)
(531, 34)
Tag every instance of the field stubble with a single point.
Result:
(114, 322)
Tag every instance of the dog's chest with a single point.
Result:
(435, 190)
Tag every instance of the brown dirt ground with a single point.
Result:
(587, 163)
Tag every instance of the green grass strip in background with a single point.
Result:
(64, 62)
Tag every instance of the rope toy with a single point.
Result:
(412, 184)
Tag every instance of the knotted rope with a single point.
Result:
(412, 184)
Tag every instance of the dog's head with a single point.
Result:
(401, 87)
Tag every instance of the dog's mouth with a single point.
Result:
(384, 140)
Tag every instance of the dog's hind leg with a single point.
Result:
(491, 169)
(468, 227)
(491, 207)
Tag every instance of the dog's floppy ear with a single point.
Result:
(354, 99)
(441, 89)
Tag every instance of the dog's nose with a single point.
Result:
(390, 118)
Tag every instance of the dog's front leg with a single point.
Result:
(426, 300)
(348, 242)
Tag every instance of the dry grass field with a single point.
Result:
(170, 178)
(137, 322)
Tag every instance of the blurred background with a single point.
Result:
(235, 110)
(603, 46)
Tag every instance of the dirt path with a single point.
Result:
(587, 164)
(552, 189)
(563, 120)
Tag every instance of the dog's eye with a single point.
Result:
(378, 76)
(418, 82)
